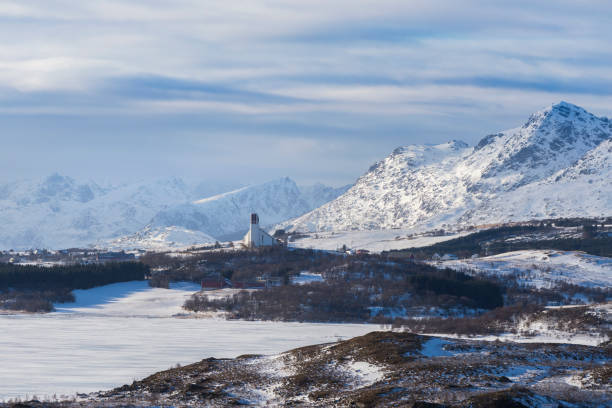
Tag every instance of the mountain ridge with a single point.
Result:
(436, 186)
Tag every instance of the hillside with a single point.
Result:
(382, 369)
(542, 268)
(543, 169)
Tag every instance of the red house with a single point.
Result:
(213, 283)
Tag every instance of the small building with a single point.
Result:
(256, 237)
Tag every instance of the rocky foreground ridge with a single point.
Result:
(381, 369)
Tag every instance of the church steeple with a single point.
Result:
(256, 237)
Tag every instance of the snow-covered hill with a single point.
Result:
(542, 268)
(556, 165)
(226, 216)
(158, 239)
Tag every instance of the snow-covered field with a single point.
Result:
(545, 336)
(543, 268)
(114, 334)
(374, 241)
(131, 299)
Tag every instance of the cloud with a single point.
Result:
(361, 76)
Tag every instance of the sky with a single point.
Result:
(243, 92)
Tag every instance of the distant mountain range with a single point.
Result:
(558, 164)
(59, 212)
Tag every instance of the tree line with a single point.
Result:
(494, 241)
(35, 288)
(69, 277)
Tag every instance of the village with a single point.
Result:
(46, 257)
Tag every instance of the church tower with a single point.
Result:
(256, 237)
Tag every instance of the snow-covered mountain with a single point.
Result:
(318, 194)
(556, 165)
(59, 212)
(226, 216)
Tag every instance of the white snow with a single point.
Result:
(366, 373)
(373, 241)
(434, 347)
(543, 268)
(131, 299)
(549, 336)
(223, 293)
(307, 277)
(159, 239)
(523, 374)
(115, 334)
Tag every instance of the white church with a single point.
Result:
(256, 237)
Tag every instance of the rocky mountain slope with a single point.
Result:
(543, 169)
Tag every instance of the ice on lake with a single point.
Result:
(115, 334)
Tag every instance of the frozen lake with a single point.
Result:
(118, 333)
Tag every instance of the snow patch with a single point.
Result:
(435, 348)
(307, 277)
(373, 241)
(366, 373)
(542, 268)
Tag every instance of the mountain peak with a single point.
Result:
(560, 112)
(568, 110)
(564, 104)
(56, 179)
(455, 144)
(550, 140)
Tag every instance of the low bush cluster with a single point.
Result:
(352, 293)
